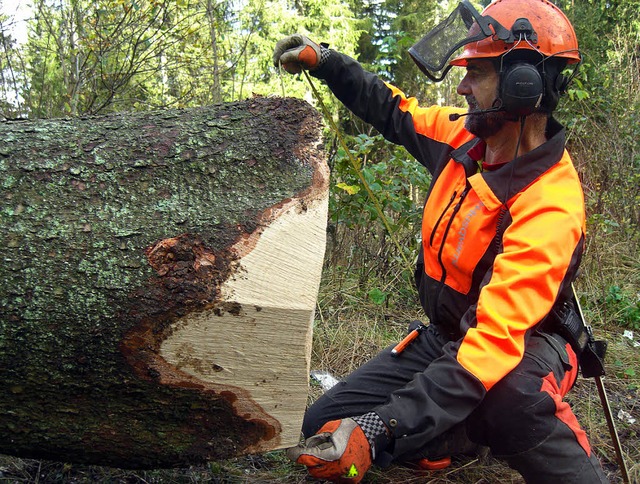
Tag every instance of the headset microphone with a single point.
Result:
(456, 116)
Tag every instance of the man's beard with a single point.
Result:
(483, 125)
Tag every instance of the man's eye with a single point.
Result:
(476, 71)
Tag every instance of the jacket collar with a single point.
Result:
(522, 170)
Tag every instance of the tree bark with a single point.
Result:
(158, 281)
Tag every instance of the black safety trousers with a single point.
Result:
(522, 419)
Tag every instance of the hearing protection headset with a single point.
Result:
(521, 89)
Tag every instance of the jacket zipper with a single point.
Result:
(435, 227)
(456, 209)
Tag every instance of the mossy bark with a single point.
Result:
(113, 227)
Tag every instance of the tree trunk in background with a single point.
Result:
(158, 281)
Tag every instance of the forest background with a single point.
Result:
(83, 57)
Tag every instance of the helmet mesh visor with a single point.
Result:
(433, 51)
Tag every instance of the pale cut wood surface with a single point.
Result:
(263, 346)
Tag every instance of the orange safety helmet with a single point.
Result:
(554, 34)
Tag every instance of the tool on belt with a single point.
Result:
(407, 340)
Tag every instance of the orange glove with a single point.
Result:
(339, 452)
(297, 52)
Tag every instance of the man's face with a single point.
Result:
(480, 88)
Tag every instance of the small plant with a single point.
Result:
(624, 306)
(378, 296)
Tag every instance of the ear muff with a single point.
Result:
(521, 89)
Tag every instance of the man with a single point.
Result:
(502, 237)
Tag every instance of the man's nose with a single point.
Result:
(463, 88)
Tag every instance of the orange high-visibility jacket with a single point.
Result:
(493, 264)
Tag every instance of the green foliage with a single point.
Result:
(603, 136)
(398, 185)
(396, 180)
(85, 57)
(624, 306)
(624, 372)
(93, 56)
(9, 61)
(378, 296)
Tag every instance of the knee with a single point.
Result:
(514, 416)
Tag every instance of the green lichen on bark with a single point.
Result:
(82, 199)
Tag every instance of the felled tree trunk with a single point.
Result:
(158, 280)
